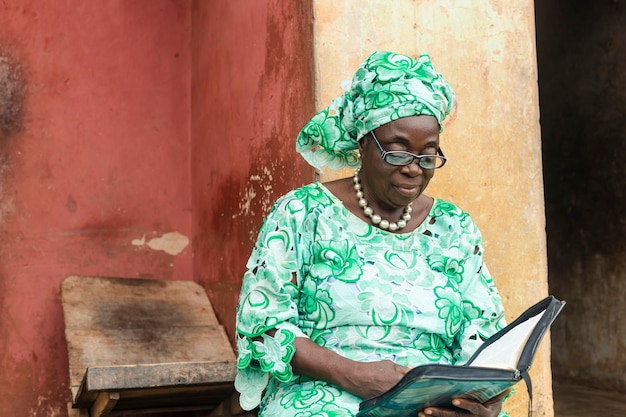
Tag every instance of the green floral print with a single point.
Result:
(318, 271)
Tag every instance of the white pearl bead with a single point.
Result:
(368, 211)
(376, 219)
(363, 202)
(384, 224)
(359, 194)
(401, 224)
(406, 217)
(393, 227)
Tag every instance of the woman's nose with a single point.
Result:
(413, 169)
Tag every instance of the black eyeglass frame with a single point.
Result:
(421, 159)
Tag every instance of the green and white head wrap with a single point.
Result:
(386, 87)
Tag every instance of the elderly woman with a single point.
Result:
(355, 281)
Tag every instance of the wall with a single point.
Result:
(252, 92)
(486, 50)
(94, 169)
(582, 63)
(128, 128)
(99, 145)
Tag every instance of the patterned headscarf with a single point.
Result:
(386, 87)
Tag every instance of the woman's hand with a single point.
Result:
(369, 379)
(468, 408)
(365, 379)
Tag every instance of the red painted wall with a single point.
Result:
(252, 92)
(121, 121)
(97, 157)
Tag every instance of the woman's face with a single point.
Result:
(391, 187)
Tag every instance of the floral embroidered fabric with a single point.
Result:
(318, 271)
(386, 87)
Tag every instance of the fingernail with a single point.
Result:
(456, 402)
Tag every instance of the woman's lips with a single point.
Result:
(408, 190)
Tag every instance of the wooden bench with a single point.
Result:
(143, 345)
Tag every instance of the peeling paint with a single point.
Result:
(171, 243)
(139, 242)
(246, 207)
(44, 409)
(245, 203)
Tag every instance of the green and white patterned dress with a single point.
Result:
(318, 271)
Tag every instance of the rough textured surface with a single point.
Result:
(104, 140)
(575, 400)
(151, 342)
(95, 157)
(582, 64)
(253, 91)
(492, 139)
(98, 162)
(11, 95)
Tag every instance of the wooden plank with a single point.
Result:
(104, 404)
(172, 399)
(139, 344)
(120, 321)
(114, 378)
(160, 385)
(127, 303)
(90, 348)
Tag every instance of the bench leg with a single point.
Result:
(104, 404)
(76, 412)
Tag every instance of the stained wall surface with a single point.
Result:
(94, 169)
(119, 152)
(100, 143)
(149, 139)
(582, 62)
(252, 92)
(486, 50)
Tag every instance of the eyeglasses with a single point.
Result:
(401, 158)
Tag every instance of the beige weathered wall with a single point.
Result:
(486, 50)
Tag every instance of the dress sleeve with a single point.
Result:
(268, 300)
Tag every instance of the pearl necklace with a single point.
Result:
(375, 218)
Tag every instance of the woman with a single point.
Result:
(355, 281)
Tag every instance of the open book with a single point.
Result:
(498, 364)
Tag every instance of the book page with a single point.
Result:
(506, 351)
